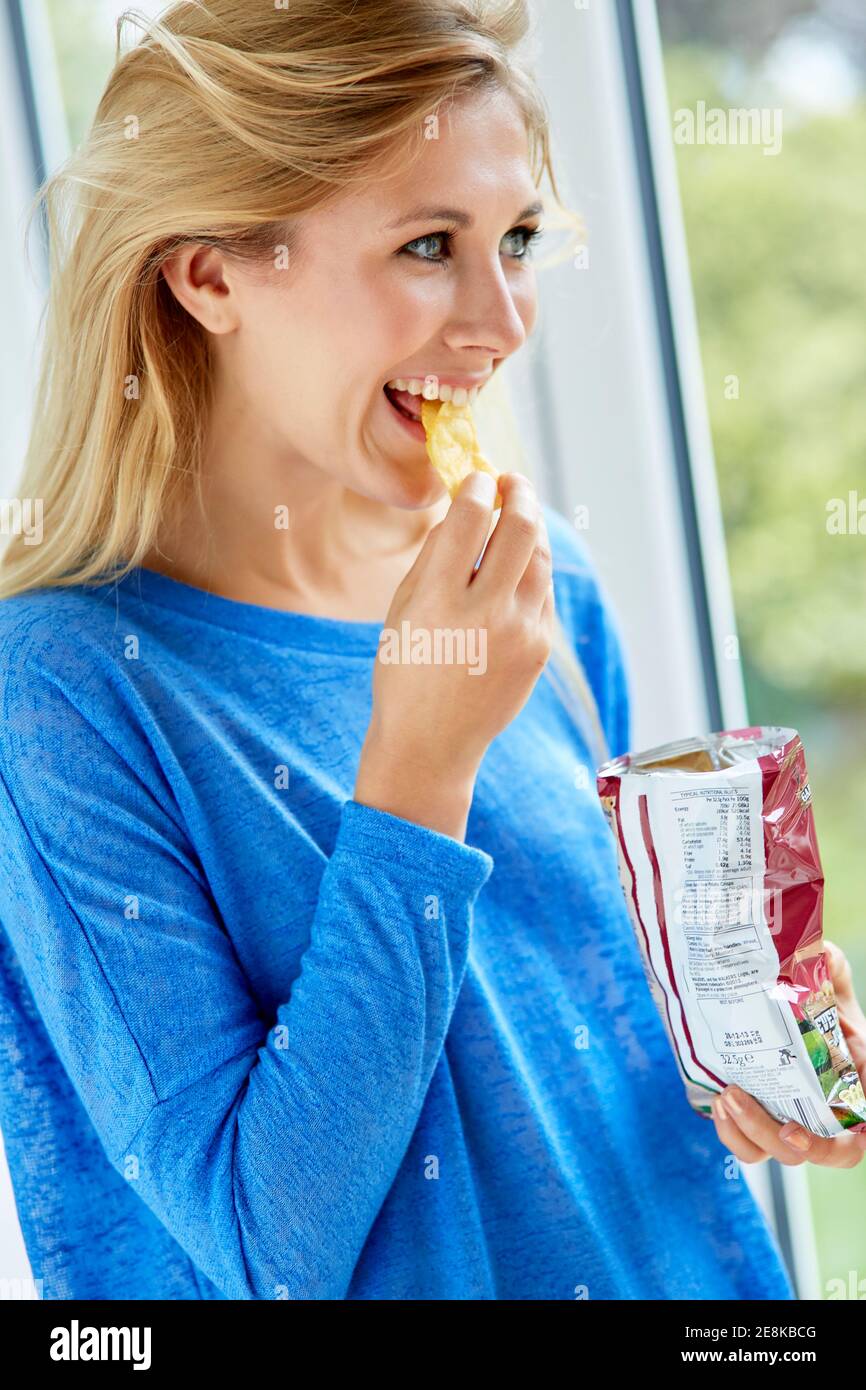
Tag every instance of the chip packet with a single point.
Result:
(719, 864)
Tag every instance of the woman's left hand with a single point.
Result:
(751, 1134)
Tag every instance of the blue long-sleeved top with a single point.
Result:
(260, 1040)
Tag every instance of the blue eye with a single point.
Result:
(526, 235)
(425, 240)
(529, 236)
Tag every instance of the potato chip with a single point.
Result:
(452, 445)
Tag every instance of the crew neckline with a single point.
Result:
(281, 626)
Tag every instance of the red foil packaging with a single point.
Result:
(719, 864)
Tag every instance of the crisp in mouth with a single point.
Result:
(406, 394)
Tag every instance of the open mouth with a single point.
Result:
(408, 405)
(403, 401)
(407, 411)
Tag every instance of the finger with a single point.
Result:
(515, 537)
(852, 1020)
(843, 983)
(855, 1037)
(531, 592)
(466, 526)
(840, 970)
(733, 1138)
(761, 1129)
(423, 556)
(842, 1151)
(548, 607)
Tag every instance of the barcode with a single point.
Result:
(802, 1109)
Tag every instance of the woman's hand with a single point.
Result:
(432, 722)
(751, 1134)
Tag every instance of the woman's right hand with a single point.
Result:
(432, 723)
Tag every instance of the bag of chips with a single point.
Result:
(719, 864)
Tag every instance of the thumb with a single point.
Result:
(856, 1040)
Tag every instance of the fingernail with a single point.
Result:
(731, 1102)
(720, 1108)
(796, 1137)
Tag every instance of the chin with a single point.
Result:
(412, 498)
(411, 491)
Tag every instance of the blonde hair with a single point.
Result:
(248, 115)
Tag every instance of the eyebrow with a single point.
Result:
(463, 219)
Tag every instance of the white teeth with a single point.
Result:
(432, 392)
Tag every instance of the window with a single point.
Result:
(775, 227)
(83, 35)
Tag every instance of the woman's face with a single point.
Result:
(384, 287)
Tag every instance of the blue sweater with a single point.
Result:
(262, 1041)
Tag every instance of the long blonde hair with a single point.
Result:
(220, 123)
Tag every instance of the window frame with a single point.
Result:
(785, 1196)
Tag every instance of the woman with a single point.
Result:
(322, 959)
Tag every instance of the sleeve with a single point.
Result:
(266, 1151)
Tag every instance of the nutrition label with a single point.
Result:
(715, 831)
(717, 912)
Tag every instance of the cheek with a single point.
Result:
(263, 369)
(372, 323)
(296, 349)
(404, 317)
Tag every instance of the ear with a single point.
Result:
(199, 280)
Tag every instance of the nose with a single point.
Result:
(490, 316)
